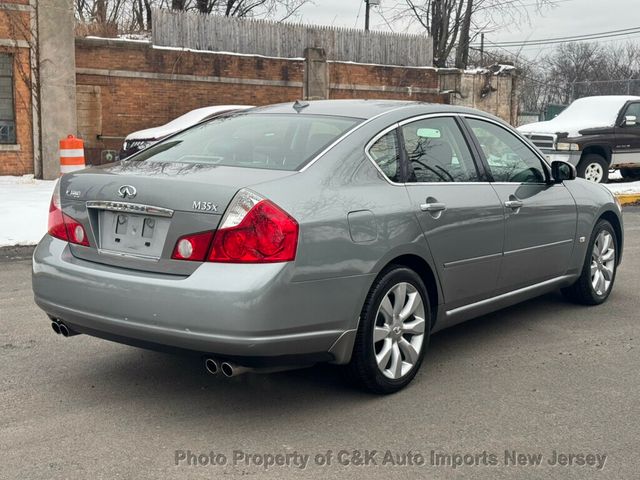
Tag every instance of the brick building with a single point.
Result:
(16, 78)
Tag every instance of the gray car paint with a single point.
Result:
(353, 223)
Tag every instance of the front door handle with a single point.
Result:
(433, 207)
(514, 204)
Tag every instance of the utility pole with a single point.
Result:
(368, 5)
(482, 49)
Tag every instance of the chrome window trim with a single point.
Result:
(347, 134)
(130, 208)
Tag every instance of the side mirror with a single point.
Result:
(630, 121)
(561, 171)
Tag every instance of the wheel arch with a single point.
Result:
(601, 150)
(614, 220)
(426, 273)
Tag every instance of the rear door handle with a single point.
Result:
(432, 207)
(513, 204)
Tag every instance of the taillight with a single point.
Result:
(63, 226)
(56, 226)
(254, 230)
(193, 247)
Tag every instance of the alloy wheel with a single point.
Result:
(398, 335)
(594, 172)
(603, 259)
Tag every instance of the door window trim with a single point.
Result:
(483, 158)
(483, 174)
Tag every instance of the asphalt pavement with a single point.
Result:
(545, 389)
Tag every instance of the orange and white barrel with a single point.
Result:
(71, 154)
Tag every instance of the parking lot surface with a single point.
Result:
(545, 389)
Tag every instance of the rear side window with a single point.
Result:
(437, 152)
(386, 154)
(270, 141)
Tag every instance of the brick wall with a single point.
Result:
(14, 40)
(136, 86)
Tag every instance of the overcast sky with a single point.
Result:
(569, 17)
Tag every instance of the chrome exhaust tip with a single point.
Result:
(56, 327)
(211, 366)
(232, 370)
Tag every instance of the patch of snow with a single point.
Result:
(621, 188)
(120, 39)
(184, 121)
(193, 50)
(588, 112)
(24, 208)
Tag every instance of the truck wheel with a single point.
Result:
(594, 168)
(630, 173)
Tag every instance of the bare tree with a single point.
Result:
(454, 24)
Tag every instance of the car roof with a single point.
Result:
(365, 109)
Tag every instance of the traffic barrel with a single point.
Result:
(71, 154)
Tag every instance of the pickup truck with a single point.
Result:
(596, 134)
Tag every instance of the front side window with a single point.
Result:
(509, 158)
(386, 154)
(437, 152)
(7, 110)
(255, 140)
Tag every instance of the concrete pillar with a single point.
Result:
(57, 72)
(316, 74)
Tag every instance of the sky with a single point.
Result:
(568, 17)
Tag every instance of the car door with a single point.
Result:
(626, 151)
(540, 216)
(460, 214)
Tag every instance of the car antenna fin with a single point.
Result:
(300, 105)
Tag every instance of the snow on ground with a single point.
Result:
(623, 188)
(24, 207)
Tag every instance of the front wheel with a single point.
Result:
(594, 168)
(393, 332)
(599, 270)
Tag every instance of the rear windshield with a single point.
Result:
(272, 141)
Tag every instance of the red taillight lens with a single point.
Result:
(56, 227)
(193, 247)
(266, 234)
(63, 226)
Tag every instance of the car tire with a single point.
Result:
(401, 324)
(630, 173)
(586, 290)
(594, 168)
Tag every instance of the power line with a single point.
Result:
(573, 38)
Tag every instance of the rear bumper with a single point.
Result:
(231, 311)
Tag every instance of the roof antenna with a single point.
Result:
(300, 105)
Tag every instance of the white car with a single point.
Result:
(136, 141)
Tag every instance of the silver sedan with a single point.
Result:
(330, 231)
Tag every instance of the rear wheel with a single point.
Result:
(393, 332)
(630, 173)
(594, 167)
(599, 270)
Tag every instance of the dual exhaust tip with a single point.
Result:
(228, 369)
(61, 329)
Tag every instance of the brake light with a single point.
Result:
(254, 230)
(56, 226)
(63, 226)
(193, 247)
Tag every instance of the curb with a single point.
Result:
(16, 252)
(627, 199)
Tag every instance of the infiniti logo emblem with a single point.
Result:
(127, 191)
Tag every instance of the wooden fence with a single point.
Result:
(288, 40)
